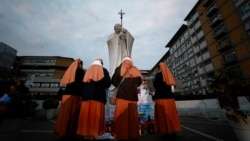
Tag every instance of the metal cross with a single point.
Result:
(121, 13)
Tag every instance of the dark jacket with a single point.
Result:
(75, 88)
(128, 88)
(97, 90)
(162, 90)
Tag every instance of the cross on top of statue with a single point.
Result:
(121, 13)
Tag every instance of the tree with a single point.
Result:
(227, 85)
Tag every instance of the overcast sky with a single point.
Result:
(80, 28)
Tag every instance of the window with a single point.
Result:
(188, 42)
(229, 57)
(247, 27)
(220, 31)
(207, 62)
(36, 85)
(191, 61)
(215, 20)
(45, 85)
(244, 10)
(186, 35)
(54, 85)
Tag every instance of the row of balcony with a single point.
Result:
(229, 60)
(224, 45)
(207, 2)
(215, 19)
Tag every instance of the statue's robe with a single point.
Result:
(118, 48)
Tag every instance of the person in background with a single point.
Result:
(166, 115)
(17, 92)
(66, 122)
(92, 115)
(125, 120)
(5, 99)
(22, 90)
(23, 93)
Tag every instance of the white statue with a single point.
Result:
(119, 45)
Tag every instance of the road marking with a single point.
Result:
(205, 122)
(37, 131)
(203, 134)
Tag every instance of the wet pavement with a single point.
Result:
(38, 128)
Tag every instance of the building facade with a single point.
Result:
(7, 56)
(43, 73)
(181, 60)
(214, 38)
(227, 26)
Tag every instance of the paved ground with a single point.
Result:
(40, 129)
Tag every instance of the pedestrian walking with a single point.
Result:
(166, 115)
(66, 122)
(125, 120)
(92, 115)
